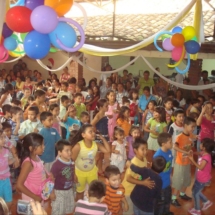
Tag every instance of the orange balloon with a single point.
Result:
(177, 40)
(60, 6)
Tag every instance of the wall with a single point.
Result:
(208, 64)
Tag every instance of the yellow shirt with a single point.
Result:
(127, 185)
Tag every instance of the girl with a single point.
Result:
(32, 172)
(28, 83)
(83, 153)
(118, 155)
(155, 126)
(147, 115)
(203, 176)
(112, 112)
(123, 119)
(55, 110)
(6, 96)
(134, 106)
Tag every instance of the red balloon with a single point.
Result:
(18, 19)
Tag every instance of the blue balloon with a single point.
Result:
(192, 47)
(37, 45)
(65, 33)
(10, 43)
(177, 29)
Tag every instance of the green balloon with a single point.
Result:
(17, 52)
(53, 50)
(195, 39)
(164, 36)
(16, 38)
(23, 35)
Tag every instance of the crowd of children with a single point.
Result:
(120, 160)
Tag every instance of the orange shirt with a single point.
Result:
(185, 143)
(125, 125)
(113, 198)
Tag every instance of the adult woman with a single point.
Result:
(28, 84)
(161, 88)
(124, 78)
(92, 83)
(39, 78)
(56, 85)
(6, 96)
(65, 76)
(54, 77)
(180, 98)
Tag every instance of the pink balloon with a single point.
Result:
(3, 52)
(176, 53)
(167, 45)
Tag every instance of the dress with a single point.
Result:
(102, 127)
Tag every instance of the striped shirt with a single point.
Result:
(113, 198)
(89, 208)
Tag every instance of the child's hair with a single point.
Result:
(3, 207)
(188, 120)
(77, 95)
(163, 138)
(65, 84)
(124, 99)
(72, 80)
(14, 110)
(39, 84)
(195, 101)
(122, 111)
(39, 93)
(101, 103)
(131, 93)
(84, 113)
(194, 115)
(158, 164)
(53, 106)
(97, 189)
(117, 130)
(134, 127)
(7, 88)
(208, 144)
(31, 98)
(71, 136)
(64, 98)
(139, 141)
(110, 171)
(171, 93)
(152, 102)
(61, 143)
(6, 125)
(175, 103)
(167, 100)
(178, 111)
(6, 108)
(208, 103)
(108, 93)
(44, 115)
(162, 112)
(45, 89)
(35, 109)
(16, 102)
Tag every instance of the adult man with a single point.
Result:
(203, 80)
(105, 88)
(145, 81)
(120, 93)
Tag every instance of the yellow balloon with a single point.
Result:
(60, 6)
(12, 54)
(189, 32)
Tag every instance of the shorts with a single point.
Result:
(64, 202)
(6, 190)
(181, 176)
(153, 144)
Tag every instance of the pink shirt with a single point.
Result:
(56, 125)
(204, 175)
(111, 108)
(4, 166)
(207, 129)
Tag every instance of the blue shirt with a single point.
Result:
(165, 175)
(51, 136)
(69, 123)
(143, 102)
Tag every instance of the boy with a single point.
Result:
(16, 102)
(96, 195)
(168, 104)
(165, 143)
(84, 117)
(80, 107)
(182, 173)
(63, 171)
(24, 99)
(51, 136)
(114, 196)
(6, 113)
(144, 199)
(32, 124)
(64, 91)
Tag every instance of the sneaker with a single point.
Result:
(175, 203)
(185, 197)
(206, 205)
(193, 211)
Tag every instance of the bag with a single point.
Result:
(46, 188)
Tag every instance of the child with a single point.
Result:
(118, 155)
(80, 107)
(203, 176)
(30, 101)
(6, 96)
(16, 102)
(182, 173)
(144, 199)
(133, 105)
(195, 106)
(123, 119)
(51, 136)
(96, 195)
(83, 153)
(64, 91)
(55, 110)
(168, 105)
(155, 126)
(114, 196)
(24, 99)
(32, 172)
(84, 118)
(89, 97)
(2, 83)
(32, 124)
(63, 171)
(165, 143)
(126, 102)
(6, 113)
(114, 87)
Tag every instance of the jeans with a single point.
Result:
(137, 211)
(197, 194)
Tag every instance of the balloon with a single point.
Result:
(177, 29)
(6, 31)
(18, 19)
(44, 19)
(3, 52)
(176, 53)
(167, 45)
(18, 3)
(52, 50)
(60, 6)
(195, 38)
(37, 45)
(157, 36)
(163, 37)
(189, 32)
(23, 35)
(16, 53)
(192, 47)
(187, 67)
(32, 4)
(65, 33)
(177, 40)
(10, 43)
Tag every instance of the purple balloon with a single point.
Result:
(44, 19)
(6, 31)
(167, 45)
(32, 4)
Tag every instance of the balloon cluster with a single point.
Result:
(36, 27)
(181, 43)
